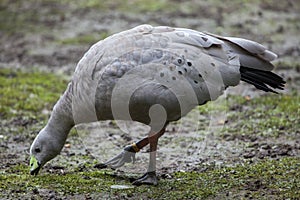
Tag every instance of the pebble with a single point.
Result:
(121, 187)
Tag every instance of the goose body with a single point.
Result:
(153, 75)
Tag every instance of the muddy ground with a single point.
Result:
(52, 36)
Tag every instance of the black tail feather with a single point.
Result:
(263, 80)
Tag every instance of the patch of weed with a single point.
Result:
(268, 115)
(263, 179)
(28, 93)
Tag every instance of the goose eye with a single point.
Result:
(37, 150)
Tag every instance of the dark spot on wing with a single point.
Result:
(204, 39)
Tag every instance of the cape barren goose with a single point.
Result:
(153, 75)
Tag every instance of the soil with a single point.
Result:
(185, 146)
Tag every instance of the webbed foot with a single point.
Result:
(126, 156)
(147, 179)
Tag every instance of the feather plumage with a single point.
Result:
(127, 74)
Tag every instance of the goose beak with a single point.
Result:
(35, 166)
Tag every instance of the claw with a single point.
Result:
(147, 179)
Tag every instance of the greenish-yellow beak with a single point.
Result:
(34, 166)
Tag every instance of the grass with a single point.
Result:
(133, 6)
(28, 17)
(267, 178)
(84, 39)
(28, 93)
(31, 17)
(268, 115)
(41, 16)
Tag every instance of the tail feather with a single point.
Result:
(263, 80)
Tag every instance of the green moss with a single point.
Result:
(220, 105)
(260, 180)
(267, 115)
(28, 93)
(264, 178)
(19, 179)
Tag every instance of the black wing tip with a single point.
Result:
(262, 80)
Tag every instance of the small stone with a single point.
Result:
(247, 97)
(249, 155)
(121, 187)
(166, 176)
(35, 191)
(266, 146)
